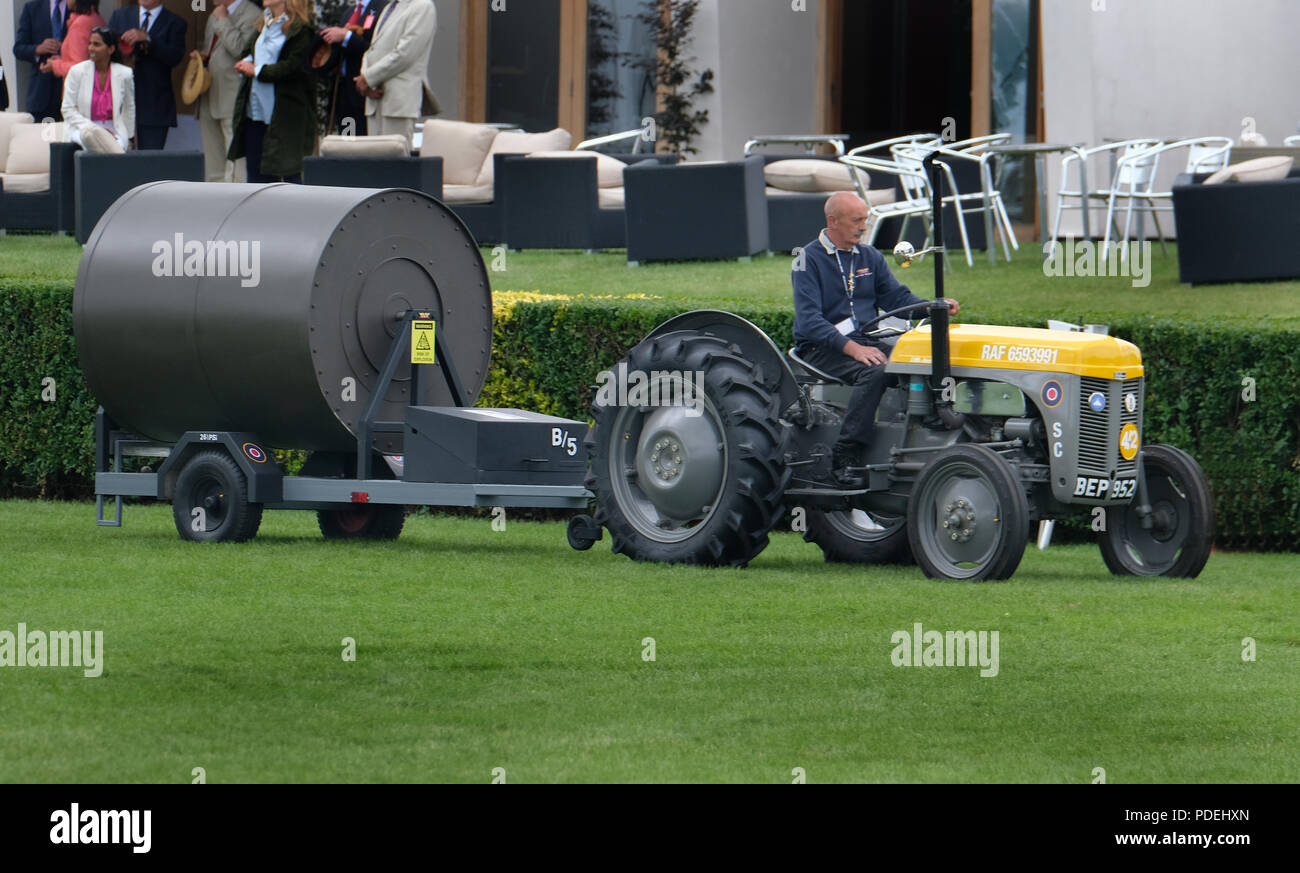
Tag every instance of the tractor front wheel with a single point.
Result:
(968, 517)
(1181, 535)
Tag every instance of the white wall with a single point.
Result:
(1167, 69)
(763, 57)
(444, 60)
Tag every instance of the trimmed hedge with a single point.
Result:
(548, 352)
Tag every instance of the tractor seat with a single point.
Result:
(821, 375)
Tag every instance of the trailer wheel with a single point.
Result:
(690, 484)
(968, 517)
(1182, 533)
(362, 521)
(211, 503)
(582, 532)
(858, 537)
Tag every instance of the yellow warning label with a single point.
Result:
(422, 343)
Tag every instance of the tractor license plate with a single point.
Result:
(1117, 489)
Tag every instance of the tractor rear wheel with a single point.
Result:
(854, 536)
(210, 503)
(968, 517)
(1182, 533)
(362, 521)
(697, 483)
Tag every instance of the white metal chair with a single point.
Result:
(917, 200)
(978, 146)
(884, 146)
(987, 201)
(594, 144)
(1204, 155)
(1084, 195)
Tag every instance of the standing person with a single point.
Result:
(83, 18)
(99, 94)
(275, 113)
(35, 41)
(840, 285)
(230, 27)
(393, 71)
(355, 34)
(155, 39)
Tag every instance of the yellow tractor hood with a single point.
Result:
(988, 346)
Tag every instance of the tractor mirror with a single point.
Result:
(904, 253)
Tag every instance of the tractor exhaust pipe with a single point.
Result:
(940, 365)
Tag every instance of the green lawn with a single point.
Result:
(479, 649)
(988, 294)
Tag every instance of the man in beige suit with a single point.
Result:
(394, 70)
(230, 26)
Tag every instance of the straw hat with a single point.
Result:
(197, 80)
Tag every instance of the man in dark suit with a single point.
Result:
(40, 34)
(354, 34)
(155, 38)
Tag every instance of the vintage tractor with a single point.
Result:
(983, 431)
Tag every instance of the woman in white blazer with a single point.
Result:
(100, 93)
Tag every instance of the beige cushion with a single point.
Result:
(880, 196)
(875, 196)
(522, 144)
(97, 139)
(29, 147)
(7, 121)
(807, 174)
(466, 193)
(1268, 169)
(461, 145)
(389, 145)
(609, 171)
(610, 198)
(25, 183)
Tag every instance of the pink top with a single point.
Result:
(76, 42)
(101, 98)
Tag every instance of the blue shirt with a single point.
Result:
(261, 97)
(834, 285)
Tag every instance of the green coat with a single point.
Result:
(291, 133)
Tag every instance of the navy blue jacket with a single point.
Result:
(155, 101)
(820, 299)
(44, 90)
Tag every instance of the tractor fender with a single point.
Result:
(755, 345)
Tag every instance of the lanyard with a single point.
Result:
(849, 282)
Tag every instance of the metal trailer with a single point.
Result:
(216, 322)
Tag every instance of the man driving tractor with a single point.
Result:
(840, 283)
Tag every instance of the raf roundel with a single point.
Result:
(1052, 393)
(254, 453)
(1097, 401)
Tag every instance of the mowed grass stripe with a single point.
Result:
(478, 649)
